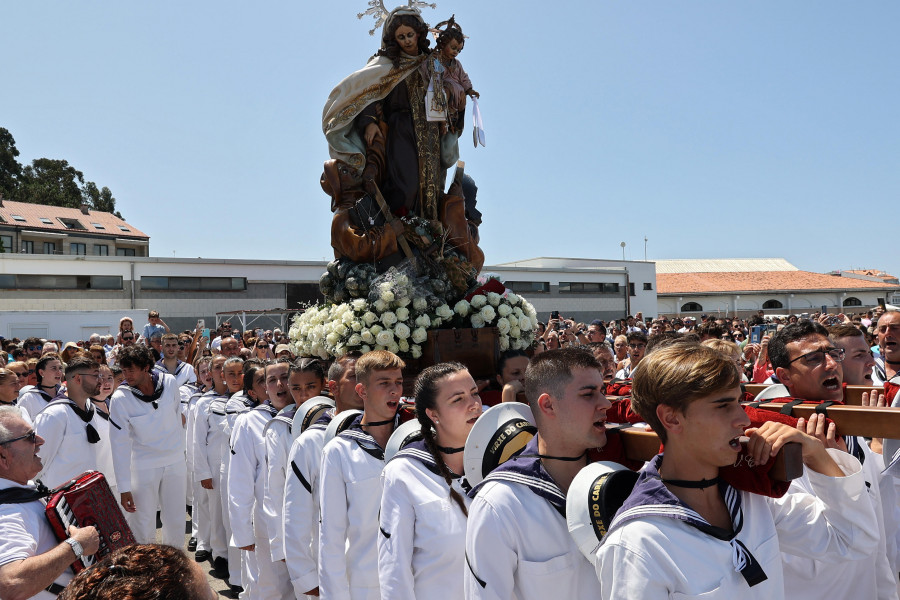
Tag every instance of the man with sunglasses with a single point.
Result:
(808, 363)
(171, 364)
(637, 345)
(69, 426)
(33, 347)
(33, 564)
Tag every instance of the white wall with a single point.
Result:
(66, 325)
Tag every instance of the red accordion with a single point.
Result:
(84, 501)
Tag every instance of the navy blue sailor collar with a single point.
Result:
(650, 497)
(152, 398)
(364, 440)
(417, 450)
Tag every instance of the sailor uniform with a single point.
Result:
(278, 445)
(657, 547)
(200, 519)
(301, 507)
(33, 400)
(104, 449)
(349, 500)
(71, 441)
(262, 578)
(148, 456)
(237, 404)
(209, 448)
(422, 541)
(25, 532)
(183, 372)
(517, 541)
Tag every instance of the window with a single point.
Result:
(851, 301)
(46, 221)
(19, 218)
(124, 251)
(648, 287)
(7, 242)
(77, 248)
(772, 304)
(525, 287)
(71, 223)
(60, 282)
(588, 287)
(123, 228)
(101, 250)
(219, 284)
(631, 289)
(27, 247)
(691, 307)
(98, 226)
(49, 247)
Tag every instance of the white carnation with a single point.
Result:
(477, 321)
(416, 351)
(444, 311)
(402, 331)
(488, 313)
(423, 321)
(419, 335)
(389, 318)
(461, 308)
(478, 301)
(384, 338)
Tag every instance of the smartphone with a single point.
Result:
(554, 314)
(824, 310)
(259, 333)
(201, 323)
(204, 333)
(756, 333)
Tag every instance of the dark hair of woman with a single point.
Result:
(426, 391)
(141, 572)
(390, 47)
(249, 376)
(42, 364)
(307, 364)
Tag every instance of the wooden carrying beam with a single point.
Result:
(867, 421)
(852, 393)
(643, 445)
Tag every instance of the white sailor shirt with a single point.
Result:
(145, 434)
(422, 540)
(278, 443)
(202, 461)
(301, 507)
(66, 452)
(349, 500)
(184, 373)
(25, 532)
(518, 544)
(246, 472)
(653, 556)
(33, 401)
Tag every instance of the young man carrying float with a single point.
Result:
(683, 531)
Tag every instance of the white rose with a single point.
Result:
(488, 313)
(359, 304)
(376, 329)
(512, 298)
(416, 351)
(436, 322)
(340, 350)
(515, 332)
(444, 311)
(389, 318)
(419, 335)
(493, 299)
(504, 310)
(402, 313)
(403, 345)
(365, 348)
(380, 347)
(477, 321)
(348, 317)
(369, 317)
(394, 347)
(387, 296)
(356, 326)
(402, 331)
(518, 311)
(332, 338)
(403, 302)
(367, 337)
(423, 321)
(504, 343)
(340, 329)
(380, 306)
(478, 301)
(384, 338)
(461, 308)
(419, 304)
(355, 340)
(525, 324)
(503, 326)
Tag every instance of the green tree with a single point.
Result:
(10, 169)
(53, 182)
(101, 199)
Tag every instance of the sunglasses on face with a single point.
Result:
(31, 436)
(128, 339)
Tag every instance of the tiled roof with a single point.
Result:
(722, 265)
(33, 213)
(760, 281)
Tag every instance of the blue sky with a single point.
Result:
(715, 129)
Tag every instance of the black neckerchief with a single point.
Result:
(85, 415)
(152, 398)
(18, 495)
(47, 397)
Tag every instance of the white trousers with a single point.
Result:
(200, 516)
(272, 582)
(235, 575)
(218, 542)
(163, 487)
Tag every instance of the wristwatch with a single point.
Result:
(76, 547)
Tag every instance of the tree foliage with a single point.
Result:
(48, 181)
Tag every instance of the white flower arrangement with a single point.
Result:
(399, 321)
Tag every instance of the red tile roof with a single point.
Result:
(760, 281)
(32, 213)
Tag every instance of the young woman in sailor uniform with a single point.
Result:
(684, 533)
(49, 372)
(421, 547)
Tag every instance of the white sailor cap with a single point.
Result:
(403, 435)
(308, 413)
(499, 432)
(340, 422)
(596, 493)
